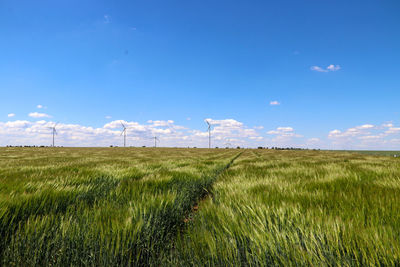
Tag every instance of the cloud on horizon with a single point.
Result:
(236, 133)
(367, 136)
(22, 132)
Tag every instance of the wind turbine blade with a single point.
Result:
(123, 126)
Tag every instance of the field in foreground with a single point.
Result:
(185, 207)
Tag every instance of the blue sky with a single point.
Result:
(330, 65)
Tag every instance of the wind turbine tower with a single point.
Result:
(209, 134)
(155, 141)
(124, 132)
(54, 131)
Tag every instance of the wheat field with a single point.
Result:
(197, 207)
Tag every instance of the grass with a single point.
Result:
(99, 207)
(389, 153)
(197, 207)
(299, 208)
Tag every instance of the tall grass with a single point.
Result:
(197, 207)
(99, 207)
(286, 208)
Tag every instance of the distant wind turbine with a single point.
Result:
(54, 131)
(124, 133)
(209, 134)
(155, 140)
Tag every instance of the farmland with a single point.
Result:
(195, 207)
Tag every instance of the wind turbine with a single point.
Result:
(155, 140)
(54, 131)
(228, 145)
(124, 132)
(209, 134)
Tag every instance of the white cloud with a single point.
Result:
(38, 115)
(228, 130)
(108, 117)
(333, 67)
(370, 137)
(366, 126)
(274, 103)
(352, 132)
(285, 129)
(327, 69)
(284, 132)
(393, 130)
(161, 123)
(285, 137)
(334, 133)
(39, 106)
(387, 125)
(365, 136)
(319, 69)
(17, 124)
(10, 115)
(169, 134)
(313, 142)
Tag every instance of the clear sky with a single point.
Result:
(310, 73)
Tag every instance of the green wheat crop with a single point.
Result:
(197, 207)
(285, 208)
(99, 207)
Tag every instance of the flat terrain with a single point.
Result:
(185, 207)
(390, 153)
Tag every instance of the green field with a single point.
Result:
(390, 153)
(197, 207)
